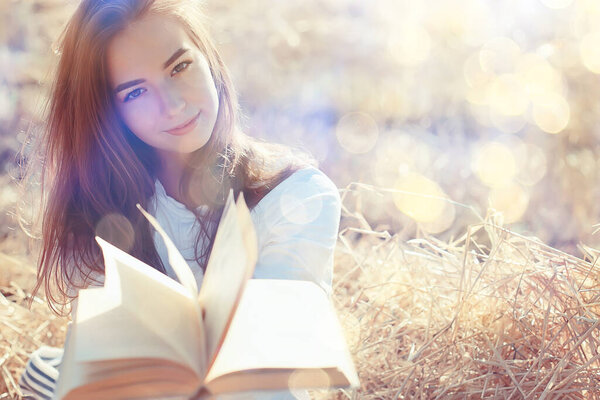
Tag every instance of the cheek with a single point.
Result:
(141, 117)
(200, 87)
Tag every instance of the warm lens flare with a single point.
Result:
(538, 76)
(499, 55)
(494, 164)
(357, 132)
(477, 80)
(117, 230)
(471, 20)
(443, 222)
(551, 113)
(512, 200)
(421, 199)
(409, 44)
(508, 95)
(590, 51)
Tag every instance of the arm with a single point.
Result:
(297, 225)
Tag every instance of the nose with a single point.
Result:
(172, 100)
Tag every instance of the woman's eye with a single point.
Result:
(134, 94)
(180, 67)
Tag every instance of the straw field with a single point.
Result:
(490, 314)
(464, 137)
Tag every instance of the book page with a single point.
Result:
(137, 378)
(69, 375)
(176, 260)
(127, 378)
(284, 324)
(139, 313)
(231, 264)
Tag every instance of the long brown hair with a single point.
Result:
(92, 165)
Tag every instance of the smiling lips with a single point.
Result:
(185, 127)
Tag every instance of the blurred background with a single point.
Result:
(446, 108)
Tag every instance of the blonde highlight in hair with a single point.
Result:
(92, 165)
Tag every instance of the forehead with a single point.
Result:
(143, 46)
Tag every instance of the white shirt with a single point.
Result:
(296, 225)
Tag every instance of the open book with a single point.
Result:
(144, 335)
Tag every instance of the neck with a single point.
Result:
(170, 173)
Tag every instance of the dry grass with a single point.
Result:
(22, 329)
(491, 314)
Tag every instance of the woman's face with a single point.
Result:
(162, 85)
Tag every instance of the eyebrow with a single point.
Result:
(174, 57)
(169, 61)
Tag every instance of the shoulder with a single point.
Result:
(306, 193)
(297, 224)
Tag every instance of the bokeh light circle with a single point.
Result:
(532, 164)
(508, 123)
(296, 208)
(551, 113)
(117, 230)
(508, 95)
(538, 76)
(590, 51)
(357, 132)
(420, 198)
(512, 200)
(494, 164)
(477, 80)
(499, 55)
(442, 222)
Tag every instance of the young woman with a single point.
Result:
(142, 110)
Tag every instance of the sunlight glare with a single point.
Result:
(423, 199)
(590, 51)
(477, 80)
(539, 77)
(551, 113)
(443, 222)
(499, 55)
(409, 44)
(508, 95)
(512, 200)
(494, 164)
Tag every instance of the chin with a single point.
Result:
(188, 148)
